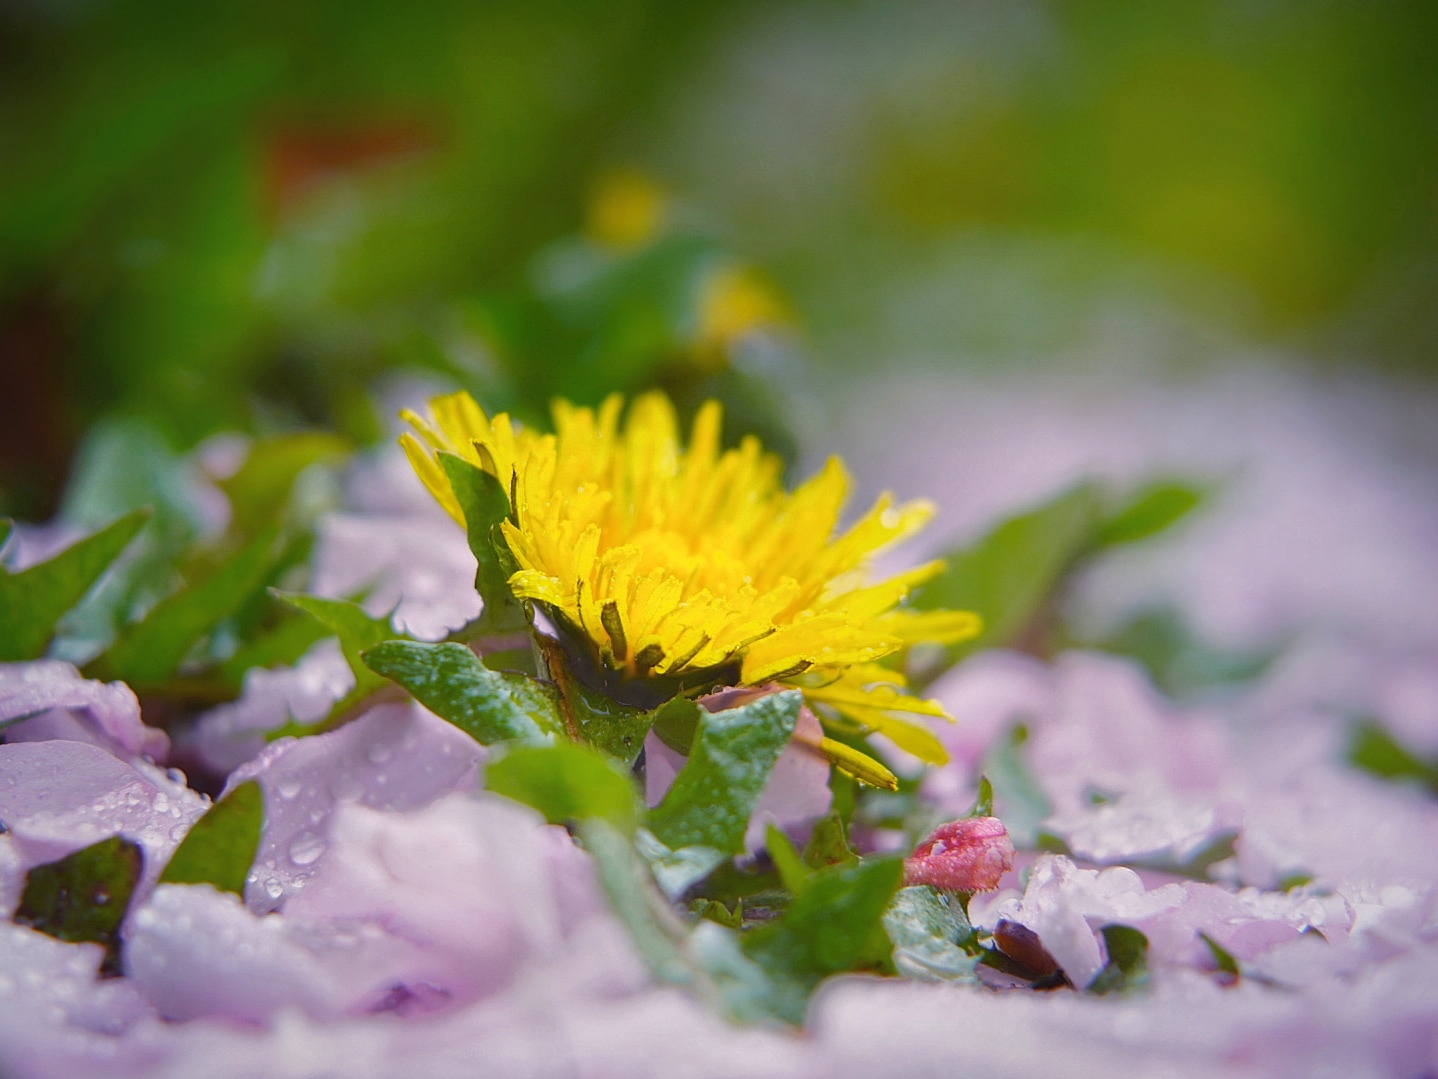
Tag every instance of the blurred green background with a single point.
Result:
(246, 215)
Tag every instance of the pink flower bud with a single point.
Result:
(962, 856)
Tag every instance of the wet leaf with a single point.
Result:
(598, 719)
(452, 682)
(833, 925)
(84, 896)
(355, 627)
(829, 843)
(220, 847)
(1222, 958)
(930, 933)
(714, 794)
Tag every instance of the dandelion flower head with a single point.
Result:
(689, 564)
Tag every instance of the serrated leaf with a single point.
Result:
(717, 912)
(220, 847)
(714, 794)
(1127, 966)
(675, 871)
(834, 925)
(123, 466)
(485, 503)
(930, 933)
(84, 896)
(598, 719)
(707, 961)
(152, 649)
(489, 706)
(1010, 572)
(35, 599)
(1153, 509)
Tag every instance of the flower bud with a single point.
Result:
(962, 856)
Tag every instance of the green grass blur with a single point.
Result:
(242, 214)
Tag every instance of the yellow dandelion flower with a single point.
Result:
(689, 566)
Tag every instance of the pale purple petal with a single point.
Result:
(193, 951)
(429, 595)
(661, 765)
(797, 793)
(465, 882)
(987, 694)
(57, 1021)
(64, 704)
(227, 736)
(56, 797)
(395, 757)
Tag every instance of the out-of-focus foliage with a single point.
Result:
(239, 215)
(1003, 182)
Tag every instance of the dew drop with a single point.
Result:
(346, 788)
(288, 787)
(273, 888)
(306, 847)
(379, 753)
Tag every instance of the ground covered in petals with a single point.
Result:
(1213, 746)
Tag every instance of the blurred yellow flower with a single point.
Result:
(692, 563)
(734, 303)
(626, 210)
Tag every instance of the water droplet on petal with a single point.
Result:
(379, 753)
(346, 788)
(288, 787)
(273, 888)
(306, 847)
